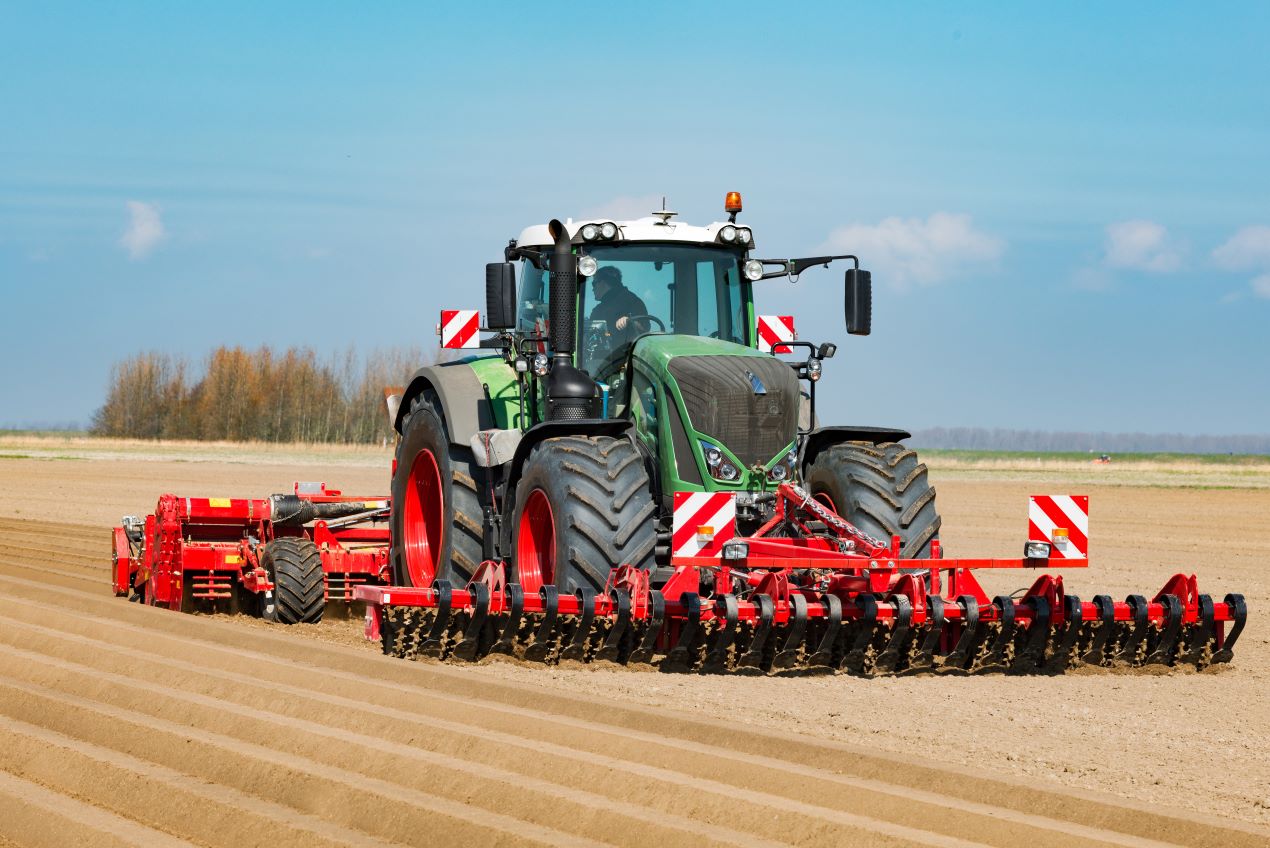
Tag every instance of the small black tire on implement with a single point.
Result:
(294, 565)
(599, 507)
(456, 544)
(882, 489)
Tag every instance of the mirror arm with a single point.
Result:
(794, 267)
(536, 257)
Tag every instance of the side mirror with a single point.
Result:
(859, 302)
(500, 295)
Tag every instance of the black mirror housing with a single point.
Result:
(500, 295)
(859, 302)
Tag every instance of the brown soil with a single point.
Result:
(122, 724)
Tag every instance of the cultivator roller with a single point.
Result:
(809, 593)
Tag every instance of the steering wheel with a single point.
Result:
(661, 325)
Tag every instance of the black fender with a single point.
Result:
(823, 437)
(464, 407)
(615, 427)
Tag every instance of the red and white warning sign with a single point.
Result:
(1061, 520)
(703, 522)
(774, 329)
(459, 328)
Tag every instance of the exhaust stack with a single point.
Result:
(571, 392)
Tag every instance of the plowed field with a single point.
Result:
(121, 724)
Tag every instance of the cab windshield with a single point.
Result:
(656, 288)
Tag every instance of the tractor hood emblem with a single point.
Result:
(756, 383)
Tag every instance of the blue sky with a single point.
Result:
(1067, 210)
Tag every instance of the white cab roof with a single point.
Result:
(642, 229)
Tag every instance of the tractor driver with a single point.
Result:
(619, 308)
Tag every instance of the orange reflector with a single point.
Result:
(732, 203)
(705, 531)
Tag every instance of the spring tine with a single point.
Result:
(576, 650)
(1133, 640)
(864, 629)
(505, 638)
(1165, 642)
(995, 657)
(683, 655)
(434, 644)
(727, 610)
(1030, 655)
(651, 630)
(468, 646)
(611, 650)
(1239, 612)
(1063, 646)
(889, 656)
(796, 637)
(968, 644)
(823, 658)
(388, 630)
(545, 637)
(1096, 652)
(753, 656)
(1199, 635)
(412, 632)
(922, 658)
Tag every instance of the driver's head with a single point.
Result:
(605, 280)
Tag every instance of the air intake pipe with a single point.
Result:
(571, 393)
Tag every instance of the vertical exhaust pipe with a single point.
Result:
(571, 392)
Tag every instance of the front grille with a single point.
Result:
(721, 401)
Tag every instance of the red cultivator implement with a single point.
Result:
(809, 592)
(284, 557)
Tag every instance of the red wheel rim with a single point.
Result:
(536, 544)
(423, 519)
(826, 501)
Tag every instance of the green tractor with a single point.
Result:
(629, 369)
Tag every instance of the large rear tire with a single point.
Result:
(437, 520)
(294, 566)
(583, 506)
(882, 489)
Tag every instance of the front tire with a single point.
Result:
(437, 520)
(882, 489)
(294, 567)
(583, 506)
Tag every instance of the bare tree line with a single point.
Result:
(254, 395)
(983, 438)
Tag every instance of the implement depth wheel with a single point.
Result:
(294, 566)
(437, 521)
(583, 507)
(882, 489)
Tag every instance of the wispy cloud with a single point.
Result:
(916, 251)
(1261, 286)
(1140, 245)
(145, 230)
(1247, 249)
(624, 208)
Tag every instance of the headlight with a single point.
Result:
(590, 231)
(728, 233)
(608, 229)
(784, 469)
(717, 463)
(714, 457)
(813, 369)
(587, 265)
(753, 270)
(728, 471)
(541, 364)
(743, 235)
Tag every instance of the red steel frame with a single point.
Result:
(210, 545)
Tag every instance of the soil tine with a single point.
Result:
(795, 638)
(996, 658)
(647, 648)
(752, 659)
(1029, 653)
(823, 658)
(505, 638)
(576, 650)
(615, 639)
(862, 634)
(922, 657)
(1198, 650)
(1165, 640)
(1100, 631)
(889, 656)
(967, 645)
(468, 646)
(434, 644)
(726, 613)
(1239, 613)
(683, 656)
(1063, 646)
(543, 644)
(1131, 645)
